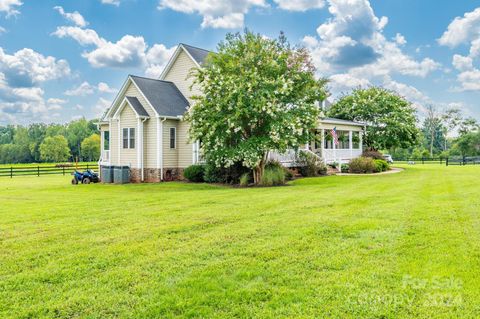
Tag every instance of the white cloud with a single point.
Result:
(101, 106)
(400, 39)
(129, 51)
(156, 58)
(27, 67)
(86, 88)
(10, 7)
(74, 17)
(82, 90)
(300, 5)
(105, 88)
(112, 2)
(2, 30)
(462, 29)
(352, 41)
(82, 36)
(462, 63)
(227, 14)
(343, 81)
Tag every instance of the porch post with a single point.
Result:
(350, 143)
(323, 145)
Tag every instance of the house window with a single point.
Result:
(128, 138)
(343, 140)
(356, 140)
(132, 138)
(106, 140)
(173, 137)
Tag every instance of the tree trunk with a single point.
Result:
(259, 170)
(431, 143)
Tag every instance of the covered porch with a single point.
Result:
(350, 140)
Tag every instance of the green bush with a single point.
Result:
(195, 173)
(228, 175)
(361, 165)
(381, 165)
(345, 167)
(373, 154)
(273, 176)
(276, 164)
(244, 179)
(310, 165)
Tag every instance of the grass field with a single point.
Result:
(394, 246)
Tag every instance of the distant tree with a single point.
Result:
(36, 134)
(468, 125)
(21, 140)
(91, 147)
(433, 128)
(77, 131)
(390, 119)
(54, 149)
(469, 144)
(451, 119)
(259, 94)
(56, 129)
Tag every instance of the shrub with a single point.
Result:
(194, 173)
(373, 154)
(231, 175)
(381, 165)
(345, 167)
(310, 165)
(275, 164)
(361, 165)
(272, 176)
(244, 179)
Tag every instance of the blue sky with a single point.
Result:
(60, 60)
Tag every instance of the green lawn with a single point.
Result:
(393, 246)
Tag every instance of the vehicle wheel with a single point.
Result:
(74, 181)
(86, 180)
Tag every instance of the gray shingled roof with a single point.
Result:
(198, 54)
(164, 96)
(135, 103)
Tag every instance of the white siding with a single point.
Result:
(128, 119)
(170, 156)
(179, 74)
(185, 151)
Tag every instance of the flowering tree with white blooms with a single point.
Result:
(258, 95)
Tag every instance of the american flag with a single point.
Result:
(333, 132)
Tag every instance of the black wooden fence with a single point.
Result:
(43, 170)
(466, 160)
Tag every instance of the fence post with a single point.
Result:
(11, 172)
(441, 160)
(446, 161)
(63, 169)
(38, 171)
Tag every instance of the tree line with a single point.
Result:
(39, 142)
(393, 125)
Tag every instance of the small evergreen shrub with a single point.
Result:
(273, 176)
(345, 167)
(373, 154)
(194, 173)
(227, 175)
(361, 165)
(275, 164)
(381, 165)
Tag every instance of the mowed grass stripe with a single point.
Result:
(331, 247)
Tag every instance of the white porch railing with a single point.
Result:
(340, 155)
(290, 158)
